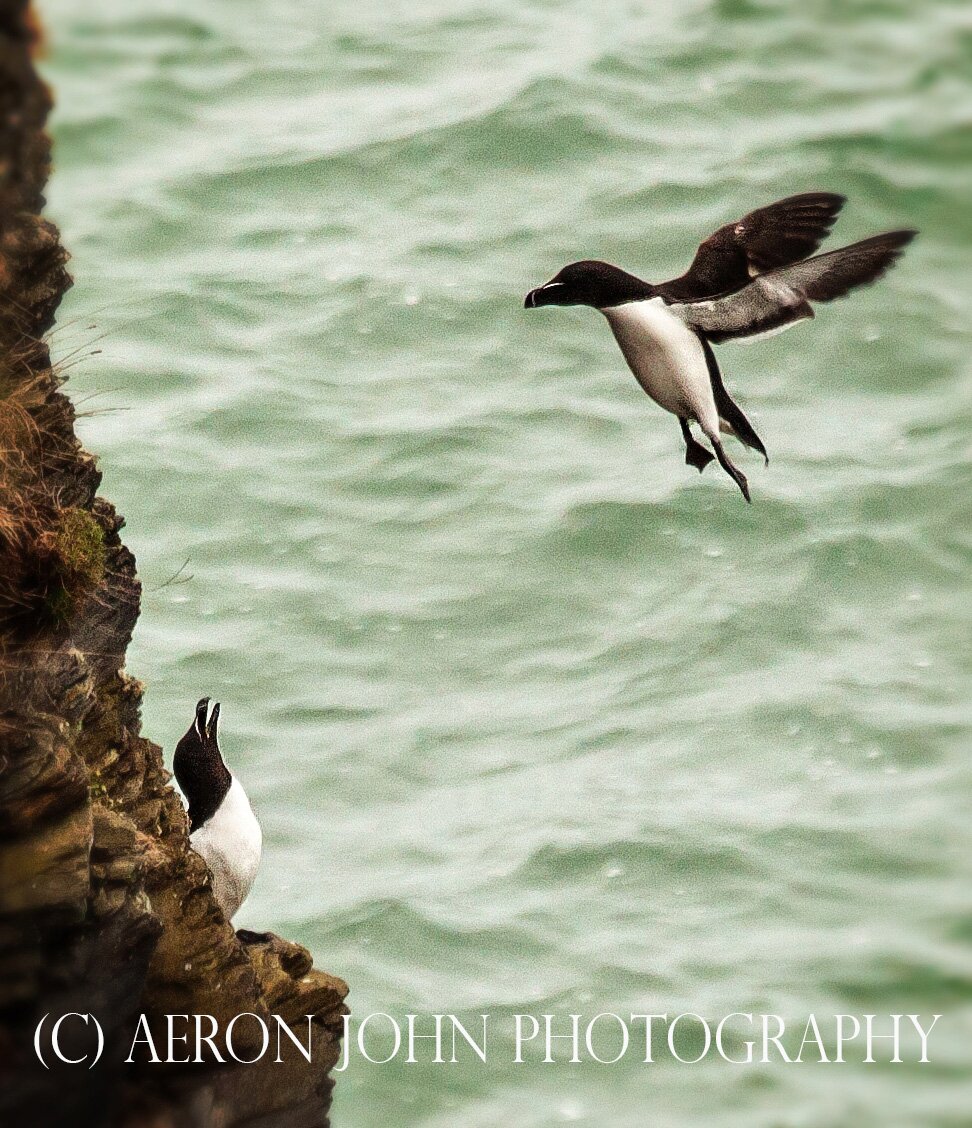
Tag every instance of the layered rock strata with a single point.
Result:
(104, 909)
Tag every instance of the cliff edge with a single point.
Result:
(104, 909)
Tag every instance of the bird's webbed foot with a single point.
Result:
(695, 453)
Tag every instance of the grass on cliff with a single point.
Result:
(52, 552)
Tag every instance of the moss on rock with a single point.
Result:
(79, 543)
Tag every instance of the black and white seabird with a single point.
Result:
(222, 826)
(751, 278)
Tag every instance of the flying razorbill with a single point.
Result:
(222, 826)
(751, 278)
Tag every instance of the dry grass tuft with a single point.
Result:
(52, 553)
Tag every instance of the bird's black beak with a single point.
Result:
(213, 722)
(202, 708)
(552, 293)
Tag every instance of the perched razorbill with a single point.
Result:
(222, 826)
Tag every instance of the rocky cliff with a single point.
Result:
(104, 909)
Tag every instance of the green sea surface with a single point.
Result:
(535, 718)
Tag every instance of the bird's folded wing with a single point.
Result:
(780, 298)
(765, 239)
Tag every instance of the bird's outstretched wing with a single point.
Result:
(779, 298)
(767, 238)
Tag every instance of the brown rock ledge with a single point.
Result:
(104, 909)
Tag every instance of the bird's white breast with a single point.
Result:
(230, 843)
(666, 357)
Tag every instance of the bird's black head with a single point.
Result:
(199, 767)
(592, 283)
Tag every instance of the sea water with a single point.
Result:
(535, 718)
